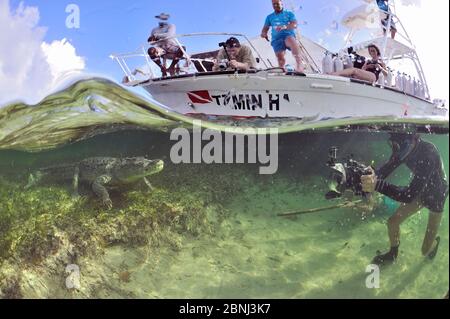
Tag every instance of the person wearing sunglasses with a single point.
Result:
(236, 57)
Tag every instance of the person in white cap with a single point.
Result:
(163, 47)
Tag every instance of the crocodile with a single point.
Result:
(101, 173)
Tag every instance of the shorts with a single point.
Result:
(435, 200)
(385, 22)
(168, 52)
(279, 43)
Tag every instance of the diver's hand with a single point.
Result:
(265, 36)
(234, 64)
(281, 28)
(369, 182)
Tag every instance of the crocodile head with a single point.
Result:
(133, 169)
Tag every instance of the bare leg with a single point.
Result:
(281, 58)
(393, 33)
(292, 44)
(172, 70)
(403, 212)
(429, 242)
(153, 53)
(357, 74)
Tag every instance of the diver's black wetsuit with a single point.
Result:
(429, 185)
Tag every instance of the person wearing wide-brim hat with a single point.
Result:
(163, 16)
(166, 47)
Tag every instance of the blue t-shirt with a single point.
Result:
(283, 18)
(382, 4)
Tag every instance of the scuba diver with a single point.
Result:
(428, 188)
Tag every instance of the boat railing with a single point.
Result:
(392, 17)
(141, 52)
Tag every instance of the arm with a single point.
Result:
(403, 194)
(364, 67)
(383, 68)
(422, 173)
(384, 171)
(249, 60)
(292, 25)
(265, 32)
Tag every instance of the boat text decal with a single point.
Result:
(250, 102)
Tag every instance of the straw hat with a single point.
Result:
(163, 16)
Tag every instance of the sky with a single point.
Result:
(38, 47)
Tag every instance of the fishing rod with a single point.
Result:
(320, 209)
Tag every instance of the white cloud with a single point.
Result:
(29, 67)
(62, 57)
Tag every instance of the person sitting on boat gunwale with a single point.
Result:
(166, 49)
(371, 69)
(236, 57)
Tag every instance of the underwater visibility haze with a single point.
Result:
(194, 230)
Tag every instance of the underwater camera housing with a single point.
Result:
(345, 175)
(223, 64)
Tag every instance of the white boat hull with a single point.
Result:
(263, 94)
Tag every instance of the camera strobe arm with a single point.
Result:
(224, 46)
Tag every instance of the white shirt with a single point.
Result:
(164, 32)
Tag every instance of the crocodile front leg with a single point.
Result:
(75, 182)
(98, 186)
(33, 180)
(149, 185)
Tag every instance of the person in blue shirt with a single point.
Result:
(384, 6)
(283, 24)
